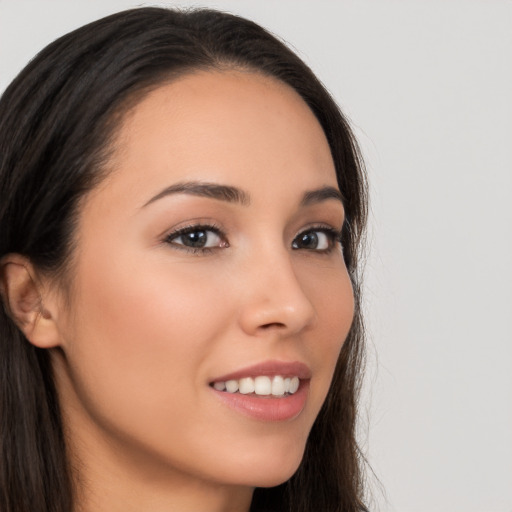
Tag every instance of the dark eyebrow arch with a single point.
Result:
(204, 189)
(320, 195)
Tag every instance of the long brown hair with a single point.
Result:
(57, 121)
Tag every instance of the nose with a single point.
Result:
(274, 300)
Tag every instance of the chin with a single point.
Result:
(270, 472)
(276, 478)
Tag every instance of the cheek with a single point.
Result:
(330, 290)
(150, 308)
(143, 333)
(139, 350)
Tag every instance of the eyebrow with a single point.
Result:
(202, 189)
(321, 194)
(235, 195)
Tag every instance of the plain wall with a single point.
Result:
(427, 86)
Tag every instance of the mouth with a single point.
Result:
(270, 391)
(262, 385)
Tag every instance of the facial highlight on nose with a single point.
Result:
(276, 302)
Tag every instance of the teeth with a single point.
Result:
(246, 386)
(219, 386)
(263, 385)
(278, 386)
(232, 386)
(294, 384)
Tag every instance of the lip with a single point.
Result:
(267, 408)
(264, 408)
(269, 368)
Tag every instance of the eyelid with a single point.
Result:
(334, 233)
(191, 228)
(327, 228)
(169, 238)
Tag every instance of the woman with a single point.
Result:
(182, 205)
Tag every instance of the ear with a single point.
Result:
(22, 294)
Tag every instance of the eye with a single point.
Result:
(317, 239)
(197, 238)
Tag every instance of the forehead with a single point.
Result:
(233, 127)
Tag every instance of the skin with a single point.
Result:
(148, 324)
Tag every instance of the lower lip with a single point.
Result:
(267, 408)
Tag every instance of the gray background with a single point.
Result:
(427, 86)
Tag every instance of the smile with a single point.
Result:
(262, 385)
(270, 391)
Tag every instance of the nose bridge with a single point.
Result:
(274, 298)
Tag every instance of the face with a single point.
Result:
(209, 258)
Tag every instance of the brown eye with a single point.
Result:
(193, 239)
(197, 237)
(316, 240)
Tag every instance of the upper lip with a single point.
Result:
(269, 368)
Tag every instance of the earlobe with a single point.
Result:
(22, 295)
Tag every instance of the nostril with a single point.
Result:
(272, 325)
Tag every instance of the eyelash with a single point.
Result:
(334, 238)
(193, 229)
